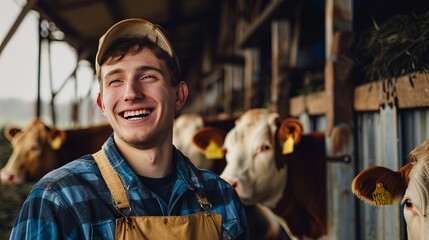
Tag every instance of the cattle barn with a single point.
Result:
(359, 65)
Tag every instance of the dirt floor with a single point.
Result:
(11, 198)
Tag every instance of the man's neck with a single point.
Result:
(154, 162)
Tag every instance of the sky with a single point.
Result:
(19, 61)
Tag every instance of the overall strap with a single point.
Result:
(203, 201)
(117, 189)
(112, 180)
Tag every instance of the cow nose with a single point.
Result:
(7, 178)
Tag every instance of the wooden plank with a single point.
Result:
(414, 93)
(314, 104)
(296, 105)
(367, 97)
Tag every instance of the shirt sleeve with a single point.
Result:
(44, 216)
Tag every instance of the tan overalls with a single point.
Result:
(201, 225)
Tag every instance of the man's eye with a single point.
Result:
(114, 81)
(146, 77)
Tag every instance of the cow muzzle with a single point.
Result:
(7, 178)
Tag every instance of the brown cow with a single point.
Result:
(38, 149)
(275, 164)
(381, 186)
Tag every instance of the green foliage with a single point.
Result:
(397, 47)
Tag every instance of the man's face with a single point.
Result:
(138, 99)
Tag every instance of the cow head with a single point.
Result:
(33, 152)
(252, 150)
(184, 128)
(411, 183)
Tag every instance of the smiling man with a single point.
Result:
(138, 186)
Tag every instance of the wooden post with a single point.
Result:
(280, 41)
(339, 99)
(252, 77)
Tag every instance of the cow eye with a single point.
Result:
(264, 148)
(408, 203)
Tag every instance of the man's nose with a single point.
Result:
(132, 91)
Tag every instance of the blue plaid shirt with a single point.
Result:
(73, 202)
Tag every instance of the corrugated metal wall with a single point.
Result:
(385, 138)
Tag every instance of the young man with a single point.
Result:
(138, 186)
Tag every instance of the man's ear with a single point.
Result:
(100, 102)
(181, 95)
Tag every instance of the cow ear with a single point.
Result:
(290, 128)
(368, 181)
(209, 140)
(11, 131)
(57, 139)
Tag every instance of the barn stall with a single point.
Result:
(306, 59)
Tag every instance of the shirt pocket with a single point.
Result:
(103, 230)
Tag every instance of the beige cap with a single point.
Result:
(132, 27)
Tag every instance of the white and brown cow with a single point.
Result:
(410, 183)
(38, 149)
(184, 128)
(275, 164)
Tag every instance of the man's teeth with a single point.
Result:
(137, 114)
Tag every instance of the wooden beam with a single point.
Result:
(16, 24)
(367, 97)
(314, 104)
(411, 92)
(261, 23)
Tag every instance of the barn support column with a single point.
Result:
(51, 83)
(39, 72)
(280, 83)
(339, 99)
(252, 73)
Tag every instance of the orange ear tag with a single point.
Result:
(213, 151)
(56, 143)
(288, 145)
(381, 196)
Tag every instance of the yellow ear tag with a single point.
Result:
(381, 196)
(56, 143)
(213, 151)
(288, 145)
